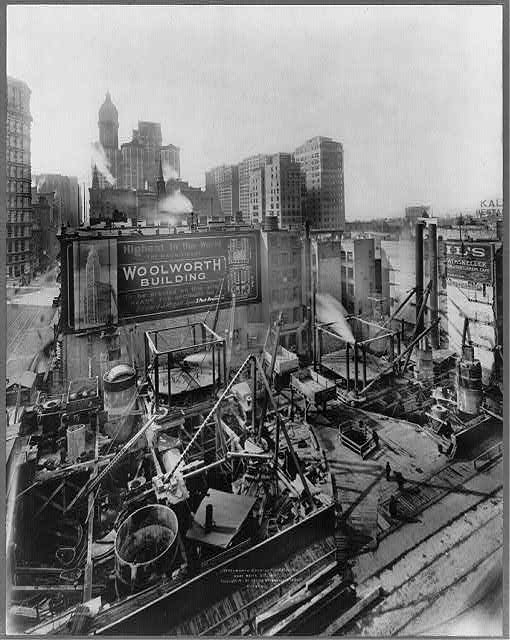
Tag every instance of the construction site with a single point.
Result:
(201, 484)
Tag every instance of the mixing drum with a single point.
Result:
(145, 546)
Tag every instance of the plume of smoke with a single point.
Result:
(329, 309)
(176, 203)
(169, 173)
(100, 160)
(40, 183)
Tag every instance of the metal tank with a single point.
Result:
(145, 546)
(120, 393)
(469, 383)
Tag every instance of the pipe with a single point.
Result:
(356, 370)
(434, 334)
(364, 354)
(347, 365)
(420, 225)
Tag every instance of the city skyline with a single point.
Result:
(399, 87)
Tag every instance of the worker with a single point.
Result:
(400, 479)
(388, 471)
(393, 507)
(375, 437)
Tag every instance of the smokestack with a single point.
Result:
(434, 313)
(420, 224)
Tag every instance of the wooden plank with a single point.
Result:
(365, 601)
(305, 608)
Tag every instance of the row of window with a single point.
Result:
(17, 246)
(292, 315)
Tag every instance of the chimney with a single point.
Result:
(420, 224)
(434, 311)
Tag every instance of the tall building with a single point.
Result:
(135, 165)
(108, 123)
(18, 183)
(132, 165)
(246, 167)
(66, 195)
(321, 160)
(149, 135)
(257, 196)
(283, 189)
(47, 222)
(224, 182)
(357, 259)
(170, 159)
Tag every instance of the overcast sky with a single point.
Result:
(413, 93)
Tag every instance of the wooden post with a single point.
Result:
(169, 364)
(398, 343)
(392, 348)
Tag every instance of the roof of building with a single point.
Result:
(108, 111)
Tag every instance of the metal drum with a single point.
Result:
(76, 435)
(145, 546)
(469, 387)
(120, 392)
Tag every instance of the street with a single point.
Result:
(30, 317)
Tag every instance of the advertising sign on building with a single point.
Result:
(157, 276)
(490, 207)
(469, 262)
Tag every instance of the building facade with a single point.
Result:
(66, 195)
(246, 167)
(18, 183)
(47, 221)
(223, 181)
(321, 160)
(357, 259)
(283, 191)
(257, 196)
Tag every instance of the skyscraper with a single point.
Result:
(224, 182)
(246, 166)
(108, 123)
(135, 165)
(283, 190)
(321, 160)
(18, 183)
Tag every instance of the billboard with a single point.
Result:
(137, 278)
(94, 283)
(469, 262)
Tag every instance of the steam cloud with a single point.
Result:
(100, 160)
(329, 309)
(169, 173)
(176, 204)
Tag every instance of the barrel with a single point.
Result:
(145, 546)
(76, 434)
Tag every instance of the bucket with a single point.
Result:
(145, 546)
(75, 441)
